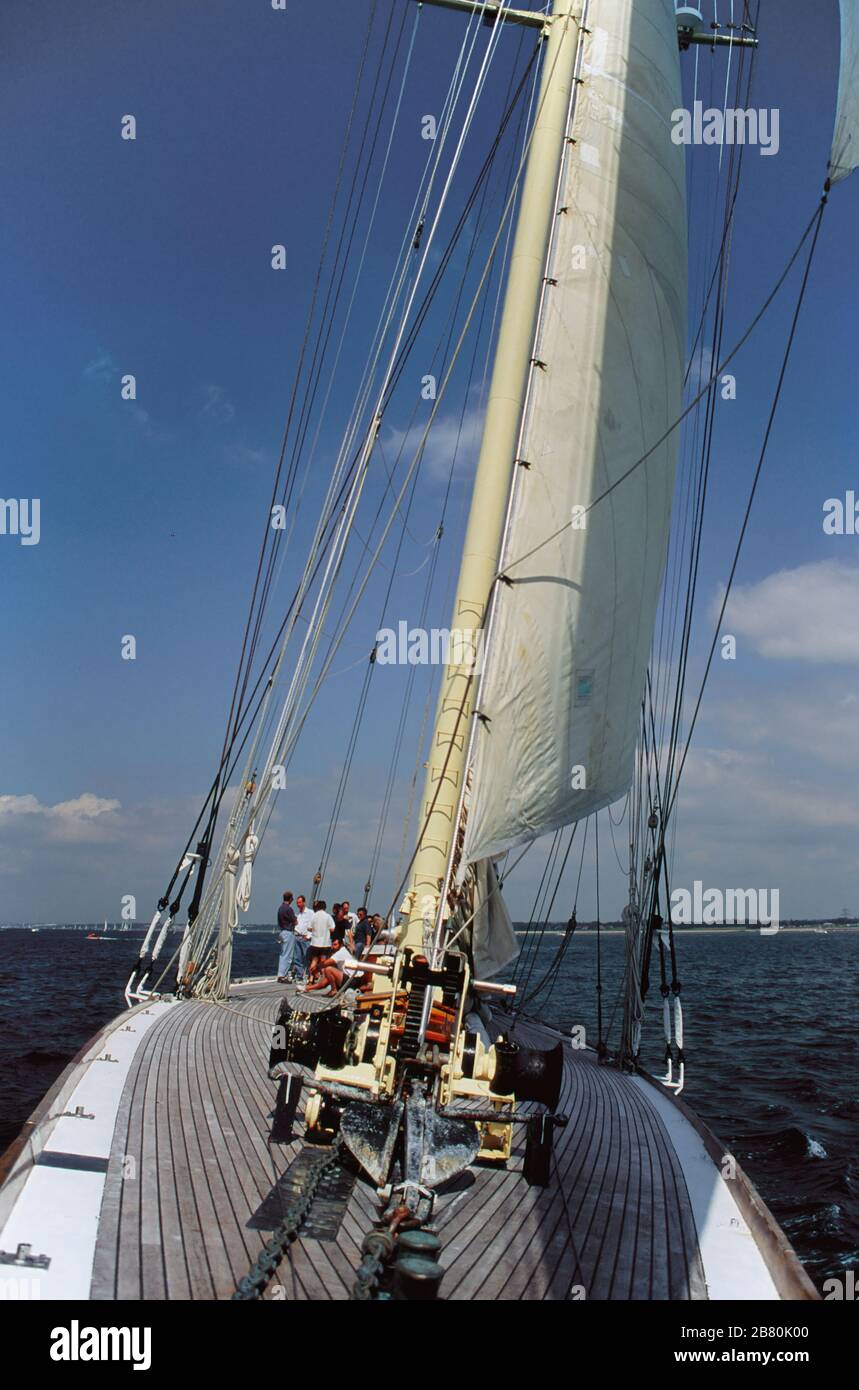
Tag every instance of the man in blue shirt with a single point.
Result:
(286, 920)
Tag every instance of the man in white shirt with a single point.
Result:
(321, 932)
(304, 917)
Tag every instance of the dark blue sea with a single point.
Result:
(772, 1047)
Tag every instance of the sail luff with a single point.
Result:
(845, 140)
(565, 669)
(445, 769)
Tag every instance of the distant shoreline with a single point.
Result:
(520, 928)
(558, 929)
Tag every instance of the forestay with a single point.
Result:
(570, 636)
(845, 140)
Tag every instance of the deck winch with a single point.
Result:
(392, 1071)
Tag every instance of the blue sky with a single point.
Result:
(153, 257)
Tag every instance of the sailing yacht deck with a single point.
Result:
(177, 1165)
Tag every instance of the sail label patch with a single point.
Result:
(584, 687)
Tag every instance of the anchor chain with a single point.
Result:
(262, 1270)
(377, 1248)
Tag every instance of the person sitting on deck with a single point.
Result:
(336, 969)
(286, 921)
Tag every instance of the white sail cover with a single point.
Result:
(845, 141)
(569, 641)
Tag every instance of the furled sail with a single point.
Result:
(493, 940)
(845, 141)
(570, 637)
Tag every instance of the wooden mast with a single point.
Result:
(446, 765)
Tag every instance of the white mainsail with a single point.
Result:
(845, 140)
(569, 641)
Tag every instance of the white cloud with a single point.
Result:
(441, 443)
(806, 614)
(771, 799)
(217, 406)
(86, 806)
(85, 818)
(75, 860)
(817, 723)
(700, 368)
(20, 806)
(745, 793)
(241, 455)
(102, 369)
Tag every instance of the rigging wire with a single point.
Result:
(329, 520)
(490, 259)
(270, 535)
(206, 844)
(510, 101)
(524, 125)
(696, 511)
(437, 403)
(297, 723)
(510, 105)
(670, 791)
(753, 490)
(701, 395)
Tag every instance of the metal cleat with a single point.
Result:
(24, 1258)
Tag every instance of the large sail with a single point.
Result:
(845, 141)
(565, 666)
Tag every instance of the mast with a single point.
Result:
(446, 766)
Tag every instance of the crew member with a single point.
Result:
(302, 934)
(286, 921)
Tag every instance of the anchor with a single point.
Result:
(435, 1147)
